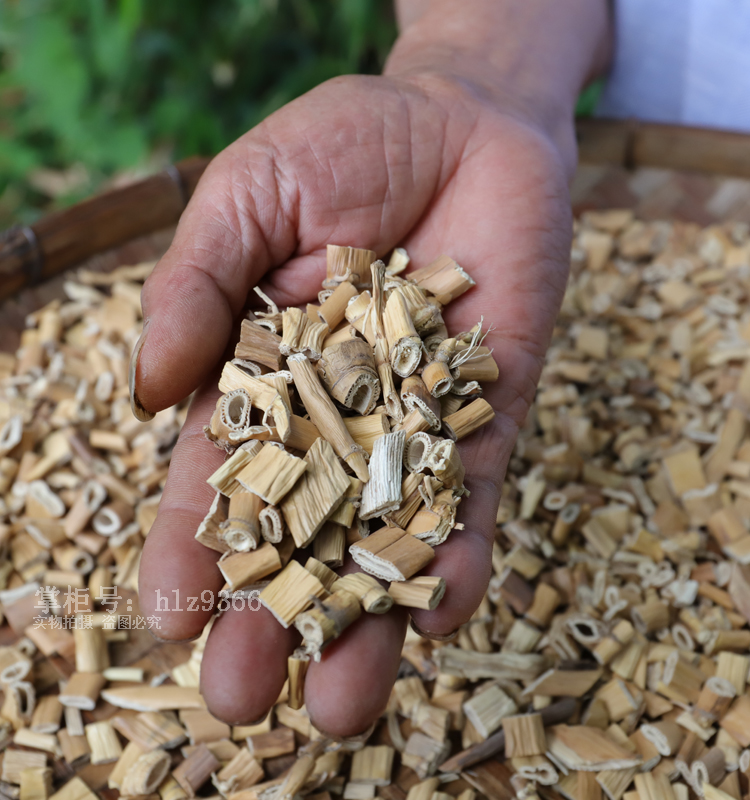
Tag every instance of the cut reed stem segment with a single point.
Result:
(382, 493)
(246, 568)
(348, 372)
(373, 598)
(329, 544)
(325, 416)
(196, 769)
(262, 395)
(365, 430)
(241, 530)
(278, 742)
(327, 620)
(443, 278)
(271, 522)
(82, 690)
(347, 511)
(487, 709)
(17, 761)
(316, 494)
(91, 649)
(208, 531)
(291, 592)
(146, 774)
(437, 376)
(271, 474)
(372, 766)
(36, 784)
(524, 736)
(259, 344)
(423, 592)
(392, 554)
(432, 524)
(404, 343)
(414, 395)
(468, 419)
(224, 479)
(103, 741)
(300, 334)
(375, 333)
(331, 312)
(347, 264)
(231, 419)
(297, 665)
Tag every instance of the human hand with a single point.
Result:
(441, 156)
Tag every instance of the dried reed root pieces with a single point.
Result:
(373, 598)
(382, 493)
(348, 372)
(324, 415)
(620, 581)
(414, 395)
(421, 592)
(313, 460)
(350, 264)
(291, 592)
(259, 345)
(392, 554)
(316, 494)
(271, 474)
(327, 620)
(404, 344)
(443, 278)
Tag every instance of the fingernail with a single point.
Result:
(436, 637)
(173, 641)
(139, 412)
(357, 738)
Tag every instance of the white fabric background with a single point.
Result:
(681, 61)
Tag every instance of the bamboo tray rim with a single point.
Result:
(63, 239)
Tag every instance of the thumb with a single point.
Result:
(225, 242)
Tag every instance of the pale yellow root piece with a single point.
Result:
(297, 665)
(468, 419)
(392, 554)
(348, 372)
(404, 343)
(271, 474)
(423, 592)
(291, 592)
(316, 494)
(324, 415)
(327, 620)
(243, 569)
(373, 598)
(443, 278)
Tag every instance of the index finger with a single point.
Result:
(175, 566)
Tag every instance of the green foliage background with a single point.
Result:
(95, 88)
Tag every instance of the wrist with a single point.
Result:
(527, 60)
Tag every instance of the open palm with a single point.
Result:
(372, 162)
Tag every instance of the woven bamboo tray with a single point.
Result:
(660, 172)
